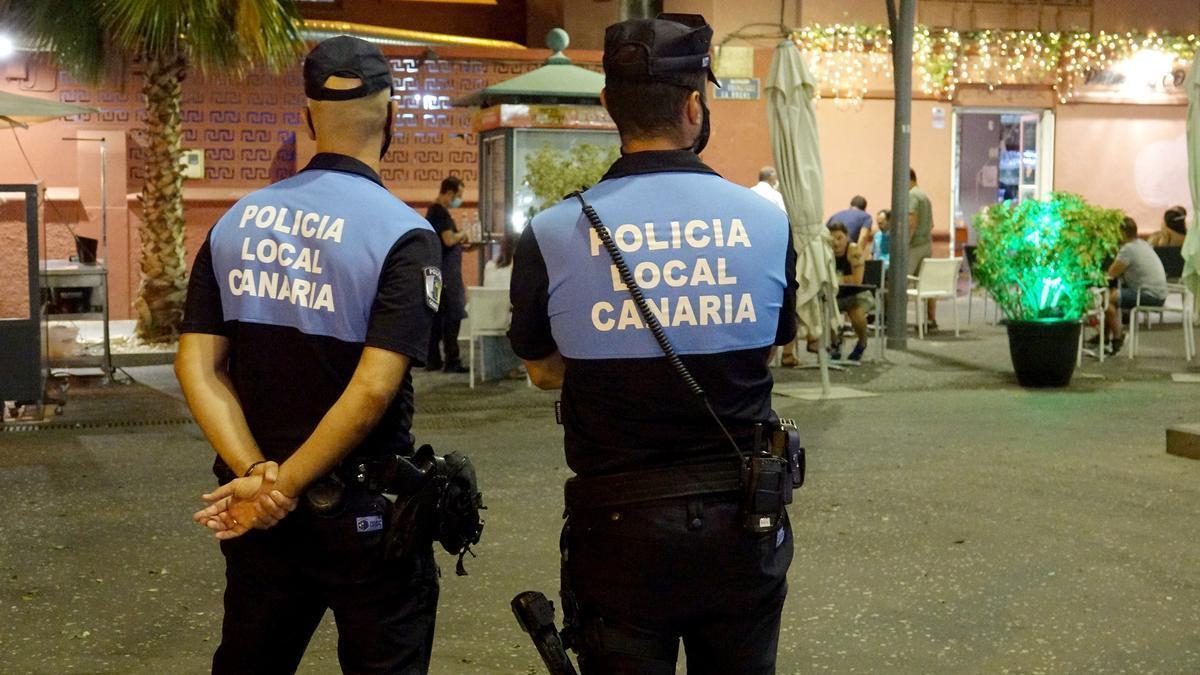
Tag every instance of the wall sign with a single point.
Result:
(737, 89)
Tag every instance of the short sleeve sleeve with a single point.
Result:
(529, 292)
(1126, 254)
(401, 315)
(202, 311)
(439, 218)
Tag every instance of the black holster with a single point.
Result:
(437, 499)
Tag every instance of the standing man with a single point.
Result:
(767, 187)
(643, 566)
(856, 219)
(454, 294)
(920, 237)
(306, 305)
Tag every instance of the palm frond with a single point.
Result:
(70, 28)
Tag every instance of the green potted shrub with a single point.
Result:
(1039, 260)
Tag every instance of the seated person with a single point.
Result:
(1140, 270)
(875, 238)
(850, 262)
(856, 219)
(1173, 230)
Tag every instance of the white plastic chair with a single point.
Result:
(1098, 310)
(1184, 311)
(937, 279)
(490, 316)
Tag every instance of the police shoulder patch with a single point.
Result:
(433, 288)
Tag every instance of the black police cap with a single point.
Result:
(349, 57)
(671, 46)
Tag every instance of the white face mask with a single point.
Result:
(456, 202)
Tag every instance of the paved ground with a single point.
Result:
(955, 523)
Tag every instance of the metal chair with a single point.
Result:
(969, 252)
(873, 275)
(1184, 311)
(1099, 311)
(490, 314)
(937, 279)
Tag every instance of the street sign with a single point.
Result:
(737, 89)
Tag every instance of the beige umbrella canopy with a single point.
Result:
(796, 147)
(1191, 245)
(21, 111)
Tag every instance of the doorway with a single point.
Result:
(999, 154)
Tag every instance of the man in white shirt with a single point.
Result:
(767, 187)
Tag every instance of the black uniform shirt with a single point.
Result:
(287, 377)
(625, 413)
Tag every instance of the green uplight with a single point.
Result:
(1038, 259)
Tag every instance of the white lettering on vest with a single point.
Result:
(247, 214)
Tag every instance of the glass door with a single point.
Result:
(999, 154)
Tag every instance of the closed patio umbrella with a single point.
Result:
(17, 110)
(1191, 244)
(796, 147)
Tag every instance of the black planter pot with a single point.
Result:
(1043, 352)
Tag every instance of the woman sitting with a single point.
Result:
(850, 263)
(1173, 230)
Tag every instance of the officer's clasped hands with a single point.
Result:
(242, 504)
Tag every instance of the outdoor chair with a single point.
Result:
(936, 279)
(969, 253)
(1097, 311)
(873, 275)
(490, 313)
(1184, 311)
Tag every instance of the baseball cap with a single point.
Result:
(671, 46)
(350, 57)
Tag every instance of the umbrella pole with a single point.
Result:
(897, 300)
(826, 326)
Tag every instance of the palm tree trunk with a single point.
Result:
(159, 303)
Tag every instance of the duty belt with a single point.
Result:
(631, 487)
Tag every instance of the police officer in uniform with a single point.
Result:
(307, 304)
(650, 556)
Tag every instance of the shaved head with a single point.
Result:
(354, 122)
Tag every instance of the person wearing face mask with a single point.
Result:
(443, 340)
(656, 547)
(306, 306)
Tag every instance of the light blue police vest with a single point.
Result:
(307, 252)
(708, 254)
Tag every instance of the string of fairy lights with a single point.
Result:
(847, 58)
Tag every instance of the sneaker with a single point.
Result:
(433, 366)
(1114, 346)
(835, 351)
(455, 367)
(859, 349)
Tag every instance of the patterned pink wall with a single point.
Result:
(249, 133)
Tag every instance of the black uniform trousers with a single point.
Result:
(638, 578)
(280, 581)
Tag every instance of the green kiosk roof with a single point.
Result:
(558, 81)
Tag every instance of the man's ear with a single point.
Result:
(312, 132)
(603, 100)
(694, 109)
